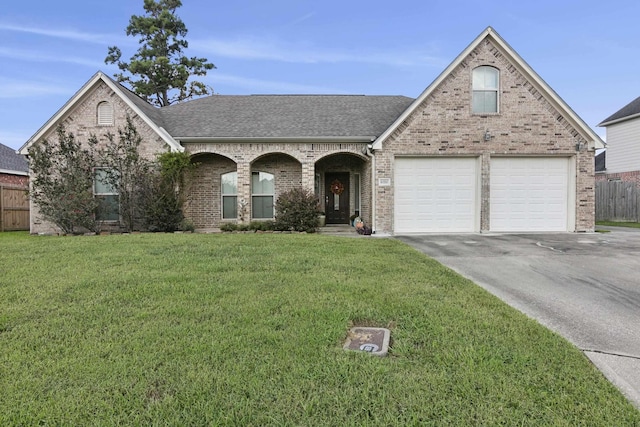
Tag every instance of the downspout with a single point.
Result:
(373, 188)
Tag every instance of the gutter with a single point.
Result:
(299, 139)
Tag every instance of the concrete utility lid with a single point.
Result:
(370, 340)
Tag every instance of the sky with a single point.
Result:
(587, 51)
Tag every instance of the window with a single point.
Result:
(109, 207)
(230, 195)
(105, 114)
(485, 90)
(262, 191)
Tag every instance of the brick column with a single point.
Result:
(308, 175)
(244, 190)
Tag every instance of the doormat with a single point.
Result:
(370, 340)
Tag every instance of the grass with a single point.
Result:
(619, 224)
(247, 330)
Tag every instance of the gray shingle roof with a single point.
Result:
(11, 161)
(631, 109)
(260, 116)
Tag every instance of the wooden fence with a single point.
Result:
(617, 201)
(14, 208)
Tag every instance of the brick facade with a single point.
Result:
(292, 164)
(526, 125)
(14, 180)
(531, 122)
(81, 121)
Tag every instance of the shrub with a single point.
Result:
(297, 210)
(229, 226)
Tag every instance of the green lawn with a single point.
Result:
(619, 224)
(235, 329)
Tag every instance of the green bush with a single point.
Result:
(297, 210)
(229, 226)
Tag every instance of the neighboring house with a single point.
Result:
(488, 146)
(14, 168)
(623, 143)
(601, 165)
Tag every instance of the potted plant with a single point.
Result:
(321, 219)
(352, 218)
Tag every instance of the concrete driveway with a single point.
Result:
(586, 287)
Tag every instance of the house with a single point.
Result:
(14, 168)
(623, 137)
(488, 146)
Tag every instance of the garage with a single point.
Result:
(436, 195)
(529, 194)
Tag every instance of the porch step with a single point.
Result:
(338, 230)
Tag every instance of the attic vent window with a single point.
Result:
(105, 114)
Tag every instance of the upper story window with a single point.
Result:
(105, 114)
(486, 81)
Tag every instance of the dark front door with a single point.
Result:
(336, 199)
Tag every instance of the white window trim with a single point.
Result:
(496, 90)
(105, 114)
(272, 195)
(98, 194)
(223, 195)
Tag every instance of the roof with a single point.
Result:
(12, 162)
(283, 116)
(594, 141)
(628, 112)
(601, 159)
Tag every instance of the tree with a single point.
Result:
(160, 64)
(126, 171)
(62, 185)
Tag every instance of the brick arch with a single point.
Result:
(262, 156)
(327, 155)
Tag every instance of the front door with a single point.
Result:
(336, 199)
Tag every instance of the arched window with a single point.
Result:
(486, 82)
(105, 114)
(229, 182)
(262, 191)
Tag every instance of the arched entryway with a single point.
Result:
(341, 185)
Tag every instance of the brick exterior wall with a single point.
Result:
(292, 164)
(14, 180)
(526, 125)
(81, 120)
(633, 176)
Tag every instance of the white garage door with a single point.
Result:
(529, 194)
(435, 195)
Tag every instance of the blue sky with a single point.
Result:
(587, 51)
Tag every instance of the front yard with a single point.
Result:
(185, 329)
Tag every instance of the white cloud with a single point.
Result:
(266, 86)
(35, 56)
(10, 88)
(250, 48)
(75, 35)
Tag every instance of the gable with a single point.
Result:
(522, 88)
(84, 105)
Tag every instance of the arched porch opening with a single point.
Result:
(270, 175)
(204, 206)
(343, 186)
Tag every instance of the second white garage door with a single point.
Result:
(529, 194)
(436, 195)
